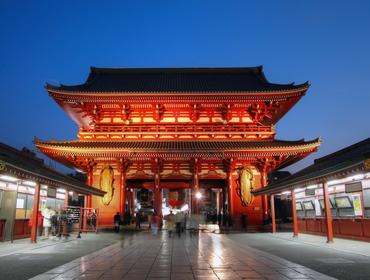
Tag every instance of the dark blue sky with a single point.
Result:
(325, 42)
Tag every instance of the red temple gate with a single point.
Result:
(178, 128)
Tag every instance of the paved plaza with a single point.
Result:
(140, 255)
(209, 256)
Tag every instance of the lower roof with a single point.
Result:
(349, 158)
(96, 146)
(26, 166)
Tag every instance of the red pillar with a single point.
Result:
(90, 176)
(36, 202)
(328, 218)
(122, 184)
(273, 221)
(294, 213)
(157, 195)
(265, 204)
(195, 190)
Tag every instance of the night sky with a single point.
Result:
(325, 42)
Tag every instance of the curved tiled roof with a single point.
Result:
(32, 167)
(335, 163)
(179, 80)
(177, 146)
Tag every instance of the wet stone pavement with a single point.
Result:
(207, 256)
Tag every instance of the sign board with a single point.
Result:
(367, 164)
(52, 192)
(73, 215)
(20, 203)
(357, 205)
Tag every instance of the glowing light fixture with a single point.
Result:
(299, 190)
(29, 183)
(70, 193)
(356, 177)
(198, 195)
(8, 178)
(61, 190)
(311, 187)
(286, 192)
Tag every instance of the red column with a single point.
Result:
(294, 213)
(231, 196)
(328, 218)
(273, 221)
(157, 195)
(122, 184)
(195, 187)
(195, 190)
(90, 176)
(36, 202)
(230, 188)
(265, 204)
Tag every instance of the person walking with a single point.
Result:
(117, 221)
(138, 220)
(170, 222)
(47, 213)
(154, 225)
(178, 219)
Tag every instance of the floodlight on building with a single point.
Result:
(355, 177)
(311, 187)
(70, 193)
(198, 195)
(334, 182)
(29, 183)
(299, 190)
(61, 190)
(286, 192)
(8, 178)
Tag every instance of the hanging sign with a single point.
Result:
(357, 205)
(367, 164)
(2, 165)
(317, 208)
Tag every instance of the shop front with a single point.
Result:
(32, 193)
(330, 197)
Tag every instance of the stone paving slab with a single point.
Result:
(207, 256)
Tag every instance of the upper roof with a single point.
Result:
(25, 164)
(239, 79)
(350, 157)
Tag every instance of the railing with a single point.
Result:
(180, 129)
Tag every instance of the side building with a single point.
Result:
(330, 197)
(188, 138)
(28, 186)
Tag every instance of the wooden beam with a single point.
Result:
(294, 213)
(273, 218)
(35, 212)
(328, 218)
